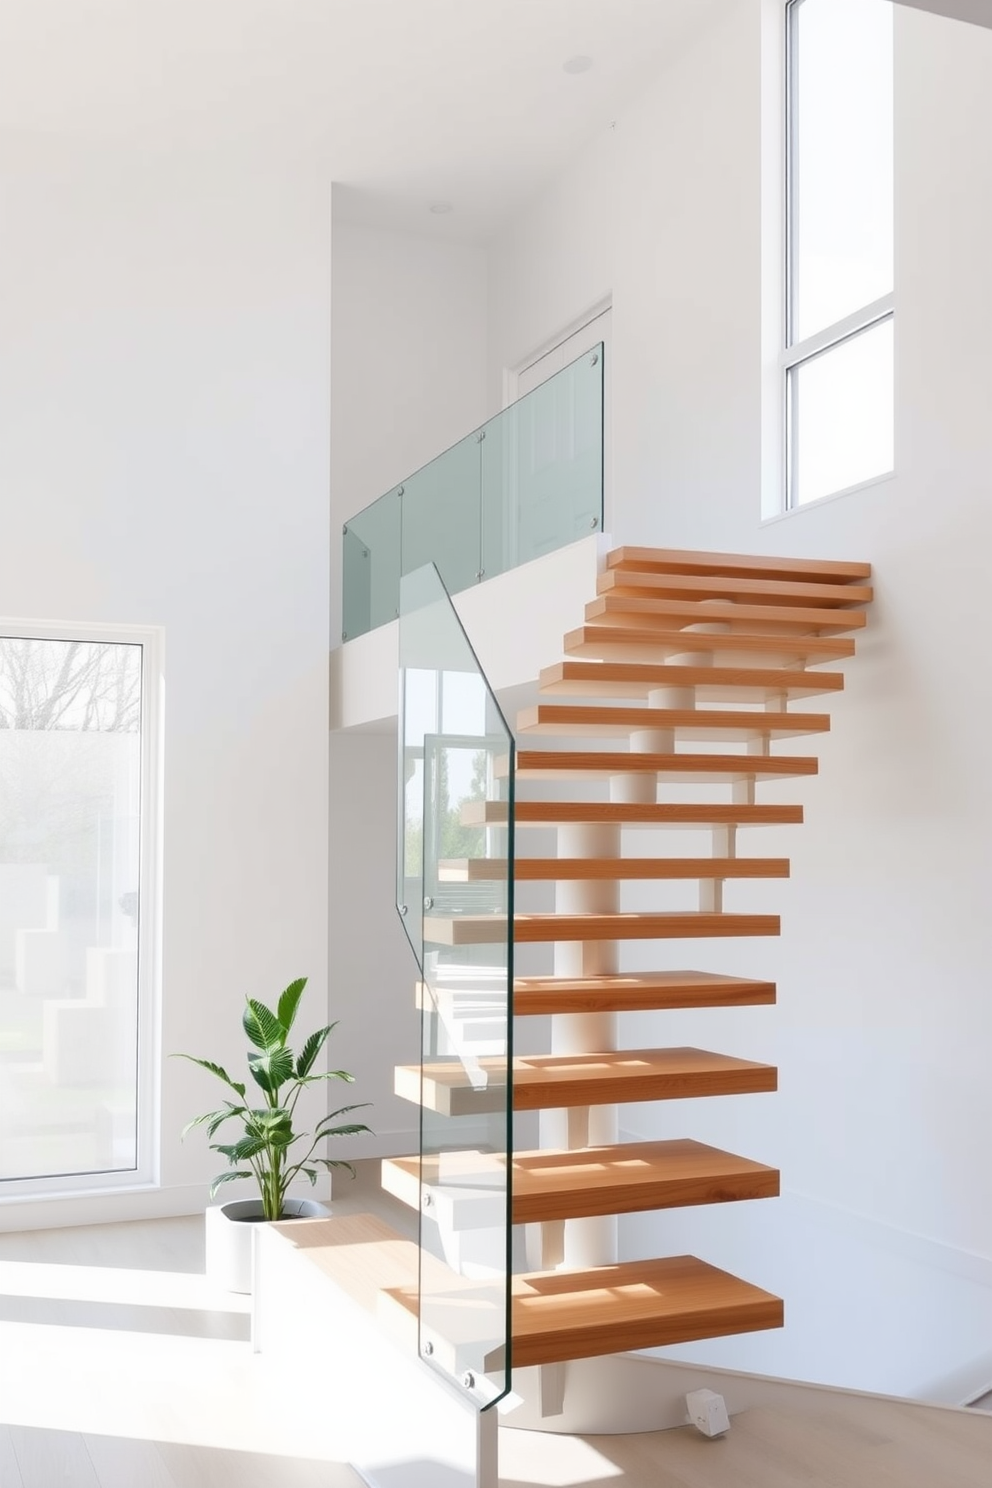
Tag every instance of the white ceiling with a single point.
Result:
(404, 102)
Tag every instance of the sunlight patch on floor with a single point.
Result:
(550, 1461)
(119, 1285)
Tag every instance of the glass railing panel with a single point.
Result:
(527, 482)
(455, 893)
(542, 474)
(441, 516)
(370, 579)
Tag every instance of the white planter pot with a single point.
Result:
(230, 1230)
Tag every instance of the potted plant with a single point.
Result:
(264, 1149)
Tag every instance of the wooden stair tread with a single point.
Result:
(615, 640)
(702, 768)
(623, 813)
(609, 609)
(620, 1179)
(558, 1080)
(707, 724)
(488, 870)
(490, 929)
(759, 591)
(561, 1315)
(558, 1315)
(710, 684)
(755, 566)
(637, 992)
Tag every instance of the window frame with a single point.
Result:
(794, 354)
(146, 1172)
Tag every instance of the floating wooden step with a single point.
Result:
(491, 929)
(489, 870)
(710, 724)
(758, 591)
(606, 679)
(615, 642)
(752, 566)
(705, 769)
(544, 1081)
(621, 1179)
(621, 609)
(650, 991)
(561, 1315)
(636, 814)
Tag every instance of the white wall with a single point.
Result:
(408, 380)
(409, 362)
(885, 1023)
(164, 393)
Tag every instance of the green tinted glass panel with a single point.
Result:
(371, 566)
(543, 467)
(455, 893)
(527, 482)
(441, 516)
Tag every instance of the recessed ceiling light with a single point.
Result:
(577, 64)
(440, 208)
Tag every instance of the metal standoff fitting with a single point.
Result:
(594, 359)
(428, 902)
(428, 1348)
(468, 1380)
(595, 522)
(402, 909)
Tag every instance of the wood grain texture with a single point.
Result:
(755, 566)
(626, 679)
(710, 724)
(489, 870)
(608, 609)
(532, 929)
(615, 641)
(620, 1179)
(693, 768)
(649, 813)
(541, 1082)
(760, 591)
(559, 1315)
(637, 992)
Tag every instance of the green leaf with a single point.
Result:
(262, 1026)
(240, 1151)
(215, 1069)
(221, 1116)
(272, 1070)
(346, 1131)
(330, 1162)
(312, 1175)
(342, 1111)
(328, 1075)
(310, 1050)
(227, 1178)
(290, 1001)
(201, 1121)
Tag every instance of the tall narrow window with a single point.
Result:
(72, 780)
(839, 353)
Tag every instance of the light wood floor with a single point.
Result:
(120, 1368)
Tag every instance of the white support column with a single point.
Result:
(586, 1242)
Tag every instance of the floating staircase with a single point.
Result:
(678, 648)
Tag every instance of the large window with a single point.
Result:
(75, 962)
(839, 316)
